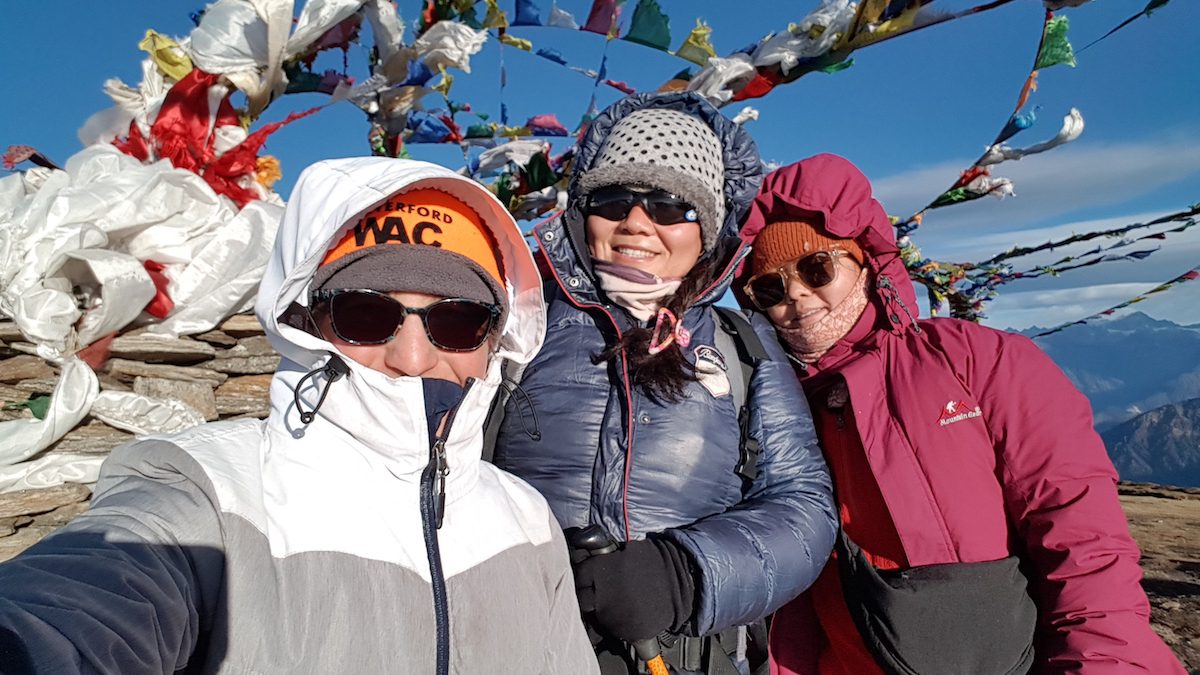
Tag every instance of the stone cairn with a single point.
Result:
(224, 374)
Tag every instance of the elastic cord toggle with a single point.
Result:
(333, 370)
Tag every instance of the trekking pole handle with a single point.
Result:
(595, 541)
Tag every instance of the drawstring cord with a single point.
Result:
(333, 370)
(798, 362)
(890, 295)
(510, 387)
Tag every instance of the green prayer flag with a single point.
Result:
(471, 20)
(39, 406)
(649, 26)
(503, 189)
(837, 67)
(538, 173)
(955, 196)
(1055, 47)
(480, 131)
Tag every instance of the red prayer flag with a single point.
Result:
(161, 304)
(602, 16)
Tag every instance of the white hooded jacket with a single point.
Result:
(275, 546)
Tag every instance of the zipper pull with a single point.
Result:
(441, 470)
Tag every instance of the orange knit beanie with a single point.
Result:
(786, 240)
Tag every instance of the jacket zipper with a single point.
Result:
(433, 508)
(737, 257)
(625, 379)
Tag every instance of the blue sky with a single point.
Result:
(911, 112)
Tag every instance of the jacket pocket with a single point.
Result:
(941, 619)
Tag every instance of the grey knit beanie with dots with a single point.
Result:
(661, 149)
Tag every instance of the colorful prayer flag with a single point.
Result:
(495, 17)
(527, 14)
(603, 17)
(649, 27)
(1055, 47)
(697, 46)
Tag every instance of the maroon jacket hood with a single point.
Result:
(1023, 472)
(832, 190)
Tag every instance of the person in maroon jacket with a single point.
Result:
(981, 531)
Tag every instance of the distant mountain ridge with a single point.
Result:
(1129, 365)
(1159, 446)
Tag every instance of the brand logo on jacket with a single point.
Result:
(710, 370)
(957, 411)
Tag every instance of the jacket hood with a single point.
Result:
(369, 412)
(831, 190)
(742, 167)
(330, 196)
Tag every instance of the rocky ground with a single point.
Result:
(225, 373)
(1165, 522)
(222, 374)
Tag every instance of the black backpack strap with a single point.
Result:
(510, 383)
(717, 654)
(491, 424)
(750, 353)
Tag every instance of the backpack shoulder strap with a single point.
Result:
(491, 425)
(510, 377)
(738, 337)
(750, 348)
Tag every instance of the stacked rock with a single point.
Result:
(222, 374)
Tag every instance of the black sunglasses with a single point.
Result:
(615, 203)
(365, 317)
(814, 270)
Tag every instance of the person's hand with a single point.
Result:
(637, 591)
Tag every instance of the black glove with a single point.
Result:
(637, 591)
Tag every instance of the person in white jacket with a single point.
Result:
(356, 529)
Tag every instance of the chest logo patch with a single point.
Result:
(710, 370)
(957, 411)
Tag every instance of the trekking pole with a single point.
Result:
(595, 541)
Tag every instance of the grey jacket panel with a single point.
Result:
(155, 578)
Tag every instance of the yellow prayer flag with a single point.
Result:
(697, 47)
(866, 32)
(519, 43)
(444, 84)
(170, 58)
(267, 171)
(496, 18)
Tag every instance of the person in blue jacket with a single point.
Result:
(628, 419)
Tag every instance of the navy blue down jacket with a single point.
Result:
(610, 455)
